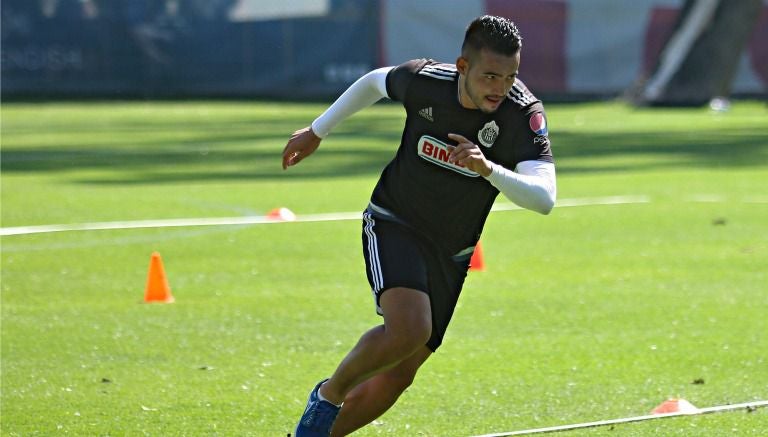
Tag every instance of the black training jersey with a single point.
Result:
(446, 202)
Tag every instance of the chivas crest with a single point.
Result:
(488, 134)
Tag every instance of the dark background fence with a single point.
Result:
(300, 49)
(162, 49)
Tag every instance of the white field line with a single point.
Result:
(746, 405)
(585, 201)
(264, 220)
(756, 199)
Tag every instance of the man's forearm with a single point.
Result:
(532, 187)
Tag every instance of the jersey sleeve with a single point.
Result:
(400, 77)
(536, 144)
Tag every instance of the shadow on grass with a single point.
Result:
(576, 152)
(252, 151)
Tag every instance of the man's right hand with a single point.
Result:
(303, 143)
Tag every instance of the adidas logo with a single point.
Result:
(427, 113)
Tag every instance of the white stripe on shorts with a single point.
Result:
(373, 253)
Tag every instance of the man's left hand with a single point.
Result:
(469, 155)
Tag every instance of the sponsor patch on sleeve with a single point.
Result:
(538, 123)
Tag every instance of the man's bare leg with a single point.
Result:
(373, 397)
(407, 328)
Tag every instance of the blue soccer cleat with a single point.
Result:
(318, 417)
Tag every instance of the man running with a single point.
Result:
(472, 130)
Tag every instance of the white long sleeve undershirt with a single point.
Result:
(366, 91)
(531, 186)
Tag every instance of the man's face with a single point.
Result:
(488, 77)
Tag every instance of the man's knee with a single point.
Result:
(412, 336)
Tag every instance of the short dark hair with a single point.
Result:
(498, 34)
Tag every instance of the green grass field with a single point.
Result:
(594, 312)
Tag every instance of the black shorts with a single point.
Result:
(397, 256)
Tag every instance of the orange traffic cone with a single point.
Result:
(476, 263)
(157, 284)
(675, 405)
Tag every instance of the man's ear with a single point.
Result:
(462, 65)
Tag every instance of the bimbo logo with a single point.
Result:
(437, 152)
